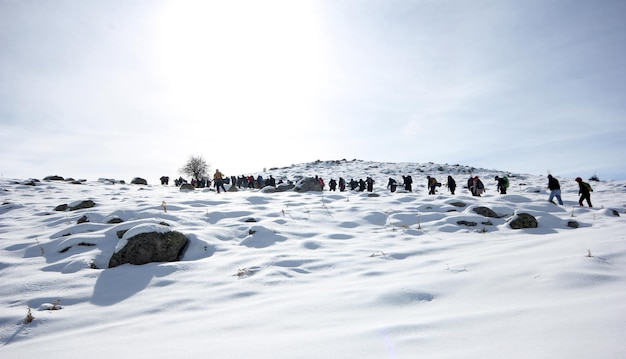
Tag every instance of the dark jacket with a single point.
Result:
(553, 183)
(583, 188)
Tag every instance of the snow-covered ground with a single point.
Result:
(317, 275)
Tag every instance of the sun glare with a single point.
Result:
(240, 58)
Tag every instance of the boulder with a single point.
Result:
(285, 187)
(151, 247)
(54, 178)
(82, 204)
(523, 220)
(308, 184)
(139, 180)
(185, 187)
(485, 212)
(268, 189)
(572, 224)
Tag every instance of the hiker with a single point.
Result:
(502, 184)
(555, 190)
(392, 184)
(332, 185)
(432, 184)
(584, 190)
(370, 184)
(477, 187)
(361, 185)
(218, 179)
(408, 183)
(353, 184)
(342, 184)
(451, 184)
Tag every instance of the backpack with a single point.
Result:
(588, 186)
(506, 181)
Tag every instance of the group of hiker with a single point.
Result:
(584, 191)
(474, 185)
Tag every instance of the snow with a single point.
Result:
(316, 275)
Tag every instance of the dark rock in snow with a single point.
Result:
(308, 184)
(186, 187)
(151, 247)
(572, 224)
(523, 220)
(485, 212)
(139, 180)
(83, 204)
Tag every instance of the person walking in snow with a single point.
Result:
(408, 183)
(332, 184)
(218, 179)
(555, 190)
(342, 184)
(501, 187)
(432, 184)
(370, 184)
(477, 187)
(361, 185)
(451, 184)
(392, 184)
(584, 190)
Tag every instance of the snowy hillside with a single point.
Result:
(316, 274)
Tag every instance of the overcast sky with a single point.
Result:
(126, 88)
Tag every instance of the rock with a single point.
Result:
(61, 207)
(485, 212)
(115, 220)
(82, 219)
(283, 187)
(54, 178)
(372, 194)
(572, 224)
(268, 189)
(151, 247)
(467, 223)
(523, 220)
(83, 204)
(308, 184)
(186, 187)
(458, 204)
(139, 180)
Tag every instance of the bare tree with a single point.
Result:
(195, 167)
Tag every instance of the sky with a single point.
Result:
(120, 89)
